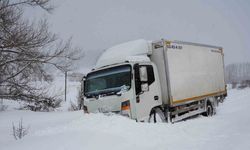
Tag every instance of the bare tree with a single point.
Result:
(26, 49)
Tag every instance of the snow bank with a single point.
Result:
(229, 129)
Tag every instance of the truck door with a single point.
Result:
(147, 90)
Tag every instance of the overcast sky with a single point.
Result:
(98, 24)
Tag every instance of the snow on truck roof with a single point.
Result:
(134, 51)
(125, 52)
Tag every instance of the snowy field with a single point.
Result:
(62, 130)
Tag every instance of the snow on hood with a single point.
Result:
(121, 53)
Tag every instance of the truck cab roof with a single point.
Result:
(137, 50)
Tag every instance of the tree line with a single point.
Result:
(238, 73)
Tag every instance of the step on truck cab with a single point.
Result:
(156, 81)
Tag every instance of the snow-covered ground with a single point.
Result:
(61, 130)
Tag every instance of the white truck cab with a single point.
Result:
(133, 79)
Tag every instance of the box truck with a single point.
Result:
(156, 81)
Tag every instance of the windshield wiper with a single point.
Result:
(100, 93)
(106, 92)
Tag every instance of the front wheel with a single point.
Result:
(156, 116)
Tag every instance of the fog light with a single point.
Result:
(125, 108)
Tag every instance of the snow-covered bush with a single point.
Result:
(43, 105)
(73, 107)
(19, 131)
(2, 106)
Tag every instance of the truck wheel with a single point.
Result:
(210, 110)
(156, 116)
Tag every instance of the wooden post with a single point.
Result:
(65, 86)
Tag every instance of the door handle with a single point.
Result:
(156, 97)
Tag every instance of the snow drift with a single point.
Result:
(229, 129)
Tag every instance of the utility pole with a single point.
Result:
(65, 98)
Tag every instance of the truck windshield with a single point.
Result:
(108, 81)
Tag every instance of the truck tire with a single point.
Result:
(209, 110)
(156, 116)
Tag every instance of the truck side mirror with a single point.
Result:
(138, 89)
(81, 100)
(82, 86)
(144, 87)
(141, 79)
(143, 74)
(144, 78)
